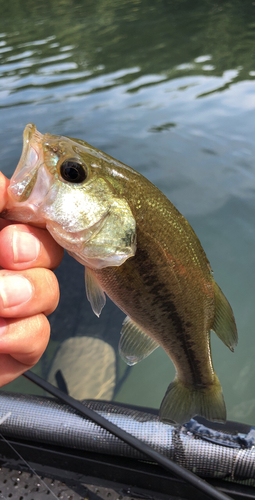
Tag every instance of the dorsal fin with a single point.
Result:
(134, 344)
(94, 291)
(224, 322)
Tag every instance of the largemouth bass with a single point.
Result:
(139, 250)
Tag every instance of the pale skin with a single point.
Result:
(29, 292)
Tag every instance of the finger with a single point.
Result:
(23, 247)
(10, 369)
(25, 339)
(4, 183)
(4, 223)
(22, 343)
(28, 292)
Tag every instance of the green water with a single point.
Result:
(167, 87)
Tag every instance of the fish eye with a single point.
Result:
(73, 171)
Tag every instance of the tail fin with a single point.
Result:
(181, 403)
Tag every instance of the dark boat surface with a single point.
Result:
(52, 440)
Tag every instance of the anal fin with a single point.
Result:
(94, 291)
(134, 344)
(224, 322)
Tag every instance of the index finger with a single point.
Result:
(23, 247)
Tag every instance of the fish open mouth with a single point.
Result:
(29, 183)
(31, 139)
(25, 170)
(24, 176)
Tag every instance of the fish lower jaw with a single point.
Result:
(80, 245)
(28, 214)
(79, 252)
(97, 263)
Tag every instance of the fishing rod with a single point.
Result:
(132, 441)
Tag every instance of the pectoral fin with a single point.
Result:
(94, 291)
(134, 344)
(224, 322)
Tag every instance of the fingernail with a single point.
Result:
(14, 290)
(26, 247)
(3, 325)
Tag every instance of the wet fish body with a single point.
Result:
(139, 250)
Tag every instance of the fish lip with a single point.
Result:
(31, 132)
(28, 164)
(31, 153)
(31, 138)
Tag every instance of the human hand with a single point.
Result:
(28, 292)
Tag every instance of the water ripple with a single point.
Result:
(37, 42)
(23, 55)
